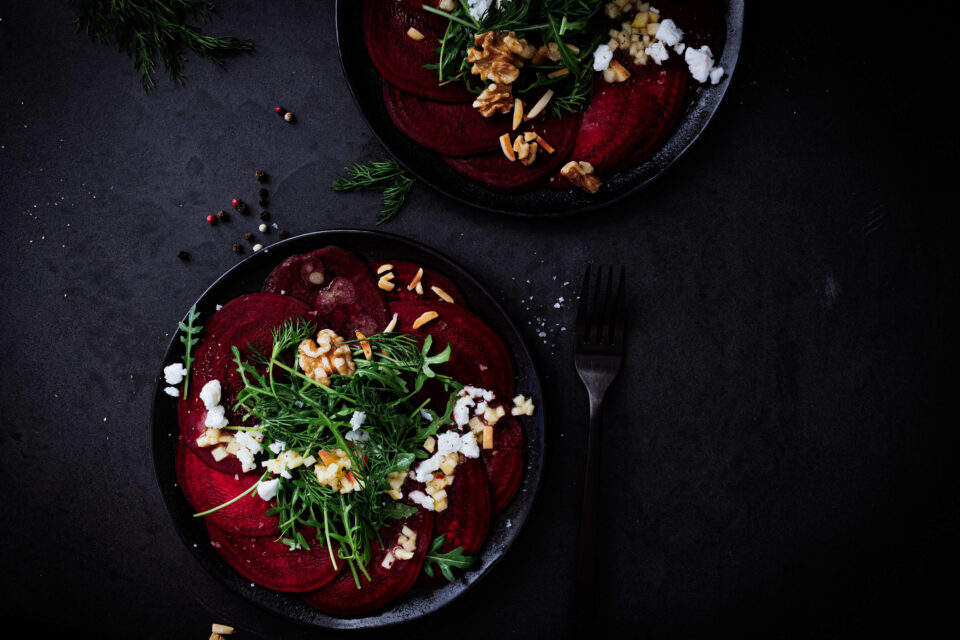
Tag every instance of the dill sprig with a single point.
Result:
(290, 407)
(384, 176)
(189, 339)
(149, 29)
(446, 562)
(565, 22)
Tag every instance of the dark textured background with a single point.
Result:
(775, 460)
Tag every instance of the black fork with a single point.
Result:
(597, 355)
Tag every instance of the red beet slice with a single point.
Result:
(404, 273)
(498, 173)
(400, 58)
(479, 357)
(452, 129)
(465, 521)
(337, 284)
(271, 564)
(667, 88)
(623, 114)
(504, 463)
(243, 322)
(206, 488)
(342, 598)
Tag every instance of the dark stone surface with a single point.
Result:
(775, 458)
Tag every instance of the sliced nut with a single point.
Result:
(424, 318)
(365, 345)
(496, 98)
(443, 295)
(544, 144)
(385, 284)
(507, 147)
(413, 34)
(391, 325)
(529, 136)
(222, 629)
(540, 106)
(403, 554)
(580, 174)
(526, 151)
(517, 113)
(558, 73)
(416, 280)
(384, 267)
(419, 289)
(388, 561)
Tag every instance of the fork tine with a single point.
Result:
(583, 318)
(620, 313)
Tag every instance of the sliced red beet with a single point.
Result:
(244, 322)
(479, 356)
(337, 284)
(271, 564)
(404, 272)
(342, 598)
(452, 129)
(667, 87)
(504, 463)
(400, 58)
(206, 488)
(496, 172)
(465, 521)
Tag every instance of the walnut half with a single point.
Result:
(325, 357)
(499, 56)
(497, 98)
(581, 175)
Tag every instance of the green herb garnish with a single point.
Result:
(189, 339)
(446, 562)
(385, 176)
(290, 407)
(150, 29)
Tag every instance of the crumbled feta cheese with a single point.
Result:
(422, 499)
(461, 410)
(424, 471)
(285, 473)
(668, 33)
(174, 373)
(447, 443)
(426, 415)
(245, 456)
(210, 394)
(219, 306)
(216, 419)
(716, 74)
(357, 419)
(657, 52)
(247, 441)
(602, 57)
(355, 435)
(680, 47)
(173, 392)
(267, 489)
(700, 62)
(478, 8)
(469, 446)
(477, 393)
(277, 446)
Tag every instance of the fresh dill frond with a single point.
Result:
(384, 176)
(150, 29)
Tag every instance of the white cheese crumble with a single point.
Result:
(468, 398)
(277, 446)
(716, 74)
(700, 62)
(478, 8)
(216, 419)
(469, 446)
(355, 435)
(669, 33)
(267, 489)
(210, 394)
(461, 410)
(245, 456)
(447, 443)
(602, 57)
(173, 392)
(174, 373)
(426, 415)
(247, 441)
(680, 47)
(422, 499)
(357, 419)
(657, 52)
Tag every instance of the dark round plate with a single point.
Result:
(248, 276)
(366, 86)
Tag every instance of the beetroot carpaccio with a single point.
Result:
(293, 393)
(499, 100)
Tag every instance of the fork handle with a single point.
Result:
(586, 556)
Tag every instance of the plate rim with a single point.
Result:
(532, 475)
(734, 25)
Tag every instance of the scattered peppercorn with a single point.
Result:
(236, 203)
(183, 255)
(222, 215)
(288, 116)
(264, 215)
(242, 208)
(257, 247)
(260, 175)
(279, 110)
(263, 228)
(248, 236)
(237, 248)
(283, 234)
(212, 219)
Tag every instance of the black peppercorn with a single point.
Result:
(243, 208)
(260, 175)
(262, 193)
(237, 248)
(183, 255)
(248, 236)
(283, 234)
(222, 215)
(264, 215)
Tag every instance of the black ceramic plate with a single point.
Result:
(366, 86)
(248, 276)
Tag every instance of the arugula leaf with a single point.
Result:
(189, 339)
(446, 562)
(398, 510)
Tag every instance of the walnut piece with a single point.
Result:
(525, 149)
(499, 57)
(581, 175)
(325, 357)
(497, 98)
